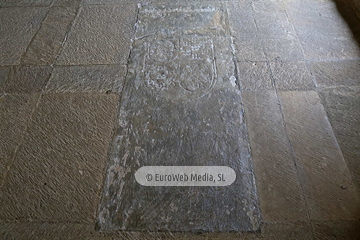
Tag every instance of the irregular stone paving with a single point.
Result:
(91, 90)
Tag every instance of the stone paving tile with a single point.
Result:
(23, 3)
(100, 35)
(67, 3)
(342, 107)
(91, 2)
(48, 41)
(336, 73)
(298, 231)
(57, 174)
(277, 181)
(254, 76)
(184, 114)
(27, 79)
(346, 230)
(15, 112)
(249, 50)
(328, 187)
(4, 73)
(283, 48)
(98, 78)
(291, 76)
(17, 28)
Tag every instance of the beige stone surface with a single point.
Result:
(17, 27)
(276, 176)
(345, 230)
(329, 190)
(101, 35)
(15, 112)
(58, 171)
(48, 41)
(255, 76)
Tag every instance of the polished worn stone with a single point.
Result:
(286, 48)
(23, 3)
(30, 79)
(291, 76)
(342, 107)
(67, 3)
(285, 231)
(100, 35)
(57, 173)
(98, 78)
(48, 41)
(15, 112)
(328, 187)
(278, 184)
(347, 230)
(336, 73)
(255, 76)
(17, 28)
(181, 106)
(4, 73)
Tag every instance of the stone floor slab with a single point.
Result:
(27, 79)
(15, 112)
(181, 107)
(76, 79)
(336, 73)
(100, 35)
(328, 187)
(283, 48)
(48, 41)
(25, 3)
(17, 28)
(342, 107)
(280, 193)
(255, 76)
(345, 230)
(4, 73)
(57, 173)
(291, 76)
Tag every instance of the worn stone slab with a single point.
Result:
(278, 183)
(291, 76)
(67, 3)
(47, 43)
(348, 230)
(17, 28)
(25, 3)
(98, 78)
(91, 2)
(255, 76)
(57, 173)
(249, 50)
(285, 231)
(15, 112)
(181, 107)
(328, 187)
(336, 73)
(27, 79)
(286, 48)
(4, 73)
(342, 107)
(100, 35)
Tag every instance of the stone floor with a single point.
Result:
(91, 90)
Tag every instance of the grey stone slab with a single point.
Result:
(27, 79)
(25, 3)
(250, 49)
(278, 183)
(328, 187)
(4, 73)
(347, 230)
(48, 41)
(283, 48)
(100, 35)
(285, 231)
(57, 173)
(291, 76)
(254, 76)
(100, 2)
(15, 112)
(17, 28)
(180, 108)
(99, 78)
(67, 3)
(342, 107)
(336, 73)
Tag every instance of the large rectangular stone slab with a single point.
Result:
(47, 43)
(25, 3)
(57, 172)
(342, 107)
(328, 186)
(181, 107)
(17, 28)
(100, 35)
(276, 175)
